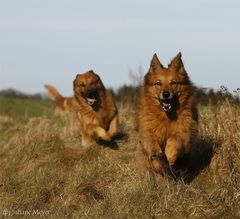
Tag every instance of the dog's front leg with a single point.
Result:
(151, 145)
(155, 157)
(113, 127)
(98, 132)
(173, 149)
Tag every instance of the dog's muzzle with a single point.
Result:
(166, 100)
(90, 96)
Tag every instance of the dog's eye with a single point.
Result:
(82, 84)
(173, 82)
(93, 83)
(158, 83)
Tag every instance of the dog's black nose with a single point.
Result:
(90, 93)
(166, 94)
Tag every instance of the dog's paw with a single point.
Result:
(156, 155)
(103, 135)
(158, 163)
(106, 137)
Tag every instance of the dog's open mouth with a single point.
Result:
(166, 104)
(91, 97)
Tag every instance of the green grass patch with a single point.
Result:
(21, 109)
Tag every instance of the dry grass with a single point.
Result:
(45, 171)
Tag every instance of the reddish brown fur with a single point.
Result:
(166, 136)
(63, 104)
(99, 121)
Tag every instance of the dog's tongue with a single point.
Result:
(91, 101)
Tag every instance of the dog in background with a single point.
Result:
(167, 115)
(63, 104)
(97, 115)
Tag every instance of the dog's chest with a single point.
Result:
(161, 132)
(164, 129)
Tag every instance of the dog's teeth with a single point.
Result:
(166, 104)
(91, 101)
(167, 107)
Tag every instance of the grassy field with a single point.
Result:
(44, 171)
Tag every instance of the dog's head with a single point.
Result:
(165, 84)
(88, 87)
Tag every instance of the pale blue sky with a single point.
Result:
(50, 41)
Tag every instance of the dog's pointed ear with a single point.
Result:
(155, 64)
(176, 62)
(92, 72)
(75, 81)
(146, 78)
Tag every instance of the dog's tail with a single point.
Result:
(56, 96)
